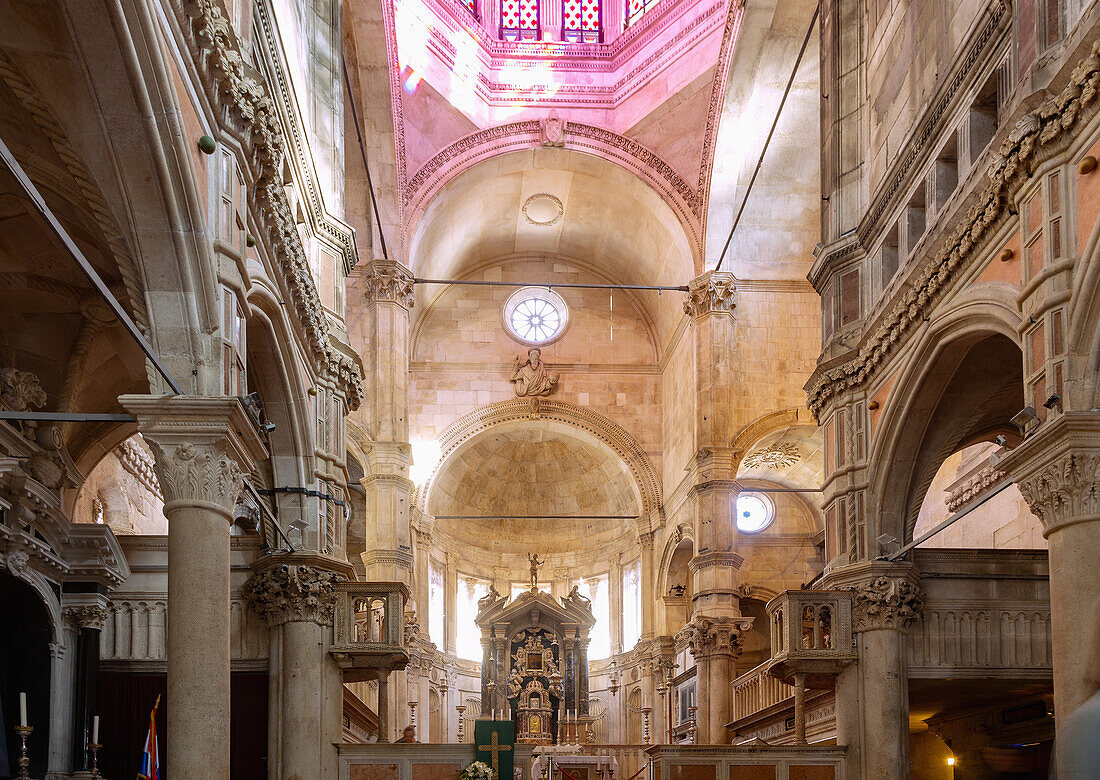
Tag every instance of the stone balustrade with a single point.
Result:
(369, 628)
(756, 690)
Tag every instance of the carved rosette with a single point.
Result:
(190, 473)
(20, 390)
(385, 280)
(293, 594)
(1065, 491)
(707, 636)
(87, 616)
(711, 293)
(885, 603)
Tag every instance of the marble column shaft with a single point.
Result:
(202, 446)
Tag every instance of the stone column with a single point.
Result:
(882, 609)
(296, 596)
(715, 643)
(203, 446)
(647, 585)
(383, 705)
(388, 287)
(1058, 472)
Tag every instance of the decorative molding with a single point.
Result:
(708, 636)
(714, 292)
(386, 280)
(205, 472)
(1037, 136)
(973, 488)
(237, 94)
(780, 455)
(885, 603)
(140, 464)
(542, 196)
(293, 594)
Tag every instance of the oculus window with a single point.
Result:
(535, 316)
(754, 513)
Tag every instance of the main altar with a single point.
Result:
(534, 668)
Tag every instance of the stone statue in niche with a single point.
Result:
(531, 377)
(552, 130)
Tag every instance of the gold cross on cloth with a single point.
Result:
(495, 749)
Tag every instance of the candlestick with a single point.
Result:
(645, 724)
(461, 721)
(24, 732)
(95, 728)
(693, 730)
(95, 758)
(23, 710)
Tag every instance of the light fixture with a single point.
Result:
(951, 761)
(1053, 401)
(1025, 420)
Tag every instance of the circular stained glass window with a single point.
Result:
(754, 513)
(535, 315)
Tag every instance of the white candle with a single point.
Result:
(23, 710)
(95, 730)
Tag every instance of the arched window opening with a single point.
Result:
(635, 9)
(519, 20)
(581, 22)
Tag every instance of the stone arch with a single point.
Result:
(583, 422)
(946, 384)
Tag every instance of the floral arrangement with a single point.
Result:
(478, 770)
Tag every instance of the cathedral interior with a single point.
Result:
(668, 388)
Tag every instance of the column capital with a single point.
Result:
(388, 281)
(203, 446)
(712, 293)
(885, 603)
(709, 636)
(1058, 470)
(86, 610)
(293, 592)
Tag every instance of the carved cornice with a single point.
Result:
(386, 280)
(885, 603)
(293, 593)
(1037, 136)
(974, 487)
(712, 293)
(87, 616)
(708, 559)
(239, 97)
(707, 636)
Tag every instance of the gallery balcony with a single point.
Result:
(369, 628)
(811, 635)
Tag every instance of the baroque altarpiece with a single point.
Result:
(535, 660)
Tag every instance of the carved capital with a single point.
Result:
(885, 603)
(711, 293)
(707, 636)
(203, 473)
(87, 616)
(293, 594)
(386, 280)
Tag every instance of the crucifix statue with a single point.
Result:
(535, 564)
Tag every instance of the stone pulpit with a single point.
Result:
(535, 660)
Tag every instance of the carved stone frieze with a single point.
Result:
(293, 594)
(707, 636)
(87, 616)
(885, 603)
(20, 390)
(711, 293)
(204, 472)
(385, 280)
(1038, 136)
(973, 488)
(777, 456)
(1065, 490)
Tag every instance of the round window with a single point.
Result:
(754, 513)
(535, 315)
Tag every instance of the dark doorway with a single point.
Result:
(24, 668)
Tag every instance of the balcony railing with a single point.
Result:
(757, 690)
(370, 629)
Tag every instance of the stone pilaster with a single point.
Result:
(295, 594)
(203, 446)
(388, 289)
(715, 643)
(1058, 472)
(86, 614)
